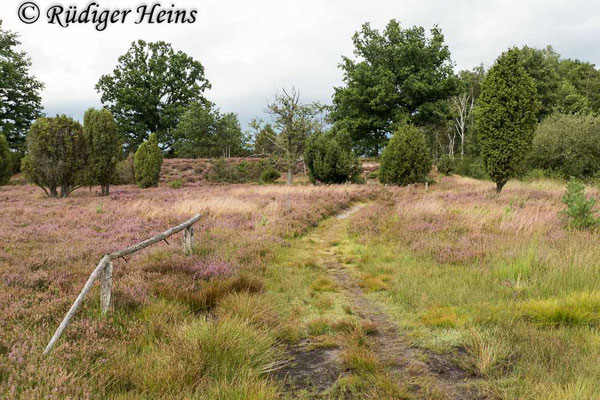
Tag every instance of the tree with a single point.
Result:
(6, 168)
(570, 101)
(204, 132)
(462, 105)
(265, 138)
(506, 117)
(20, 102)
(398, 73)
(585, 78)
(567, 146)
(147, 163)
(150, 89)
(104, 146)
(330, 159)
(542, 66)
(56, 155)
(406, 158)
(295, 122)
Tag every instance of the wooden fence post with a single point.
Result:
(106, 287)
(188, 240)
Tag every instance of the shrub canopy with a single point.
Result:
(147, 163)
(104, 144)
(5, 161)
(506, 117)
(567, 146)
(406, 158)
(330, 159)
(56, 155)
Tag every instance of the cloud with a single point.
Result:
(252, 48)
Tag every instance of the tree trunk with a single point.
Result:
(53, 192)
(499, 186)
(290, 175)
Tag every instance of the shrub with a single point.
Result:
(579, 208)
(506, 117)
(330, 159)
(224, 171)
(176, 184)
(446, 165)
(104, 145)
(125, 174)
(472, 167)
(147, 163)
(406, 158)
(56, 155)
(567, 145)
(269, 174)
(6, 168)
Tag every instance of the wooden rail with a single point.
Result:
(103, 271)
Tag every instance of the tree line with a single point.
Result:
(531, 110)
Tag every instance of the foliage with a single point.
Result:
(585, 78)
(472, 167)
(104, 146)
(149, 90)
(567, 146)
(265, 138)
(580, 209)
(147, 162)
(6, 168)
(446, 164)
(176, 184)
(399, 74)
(330, 159)
(125, 172)
(506, 117)
(294, 122)
(204, 132)
(20, 102)
(57, 155)
(570, 101)
(242, 172)
(269, 174)
(405, 159)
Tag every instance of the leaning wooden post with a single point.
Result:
(88, 285)
(106, 287)
(188, 240)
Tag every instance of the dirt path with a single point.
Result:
(426, 375)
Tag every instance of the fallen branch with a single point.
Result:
(107, 258)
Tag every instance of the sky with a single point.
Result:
(252, 48)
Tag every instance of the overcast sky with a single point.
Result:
(251, 48)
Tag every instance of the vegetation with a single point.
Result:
(506, 117)
(125, 172)
(294, 123)
(57, 155)
(147, 162)
(446, 165)
(580, 209)
(330, 159)
(6, 168)
(104, 147)
(406, 158)
(399, 76)
(567, 146)
(204, 132)
(149, 90)
(20, 103)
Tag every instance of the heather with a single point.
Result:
(160, 296)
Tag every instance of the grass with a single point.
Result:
(510, 295)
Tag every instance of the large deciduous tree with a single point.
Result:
(506, 116)
(104, 145)
(20, 103)
(398, 73)
(150, 88)
(462, 106)
(56, 155)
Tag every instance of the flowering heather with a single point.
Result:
(50, 246)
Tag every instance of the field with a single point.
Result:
(446, 292)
